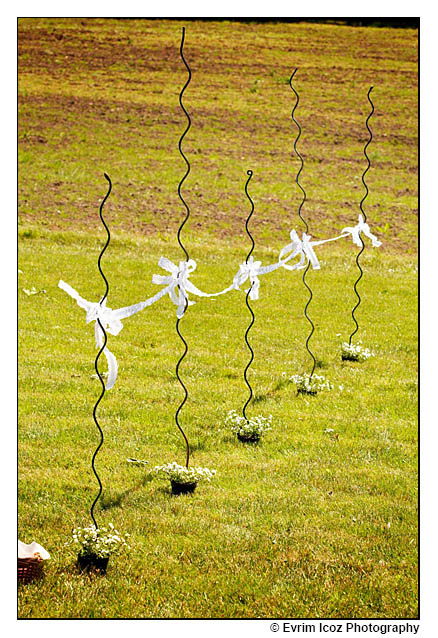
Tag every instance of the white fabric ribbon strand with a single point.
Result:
(253, 269)
(178, 285)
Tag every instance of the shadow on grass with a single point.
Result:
(110, 501)
(320, 364)
(167, 491)
(280, 385)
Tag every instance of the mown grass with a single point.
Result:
(308, 523)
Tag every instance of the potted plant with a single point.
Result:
(355, 352)
(96, 545)
(310, 384)
(183, 480)
(248, 430)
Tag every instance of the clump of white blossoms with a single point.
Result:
(251, 428)
(307, 384)
(352, 352)
(182, 474)
(101, 542)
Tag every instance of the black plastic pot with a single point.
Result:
(311, 392)
(92, 563)
(182, 488)
(349, 357)
(252, 438)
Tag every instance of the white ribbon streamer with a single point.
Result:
(179, 275)
(179, 279)
(110, 358)
(253, 269)
(309, 252)
(361, 227)
(109, 319)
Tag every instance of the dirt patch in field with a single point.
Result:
(103, 94)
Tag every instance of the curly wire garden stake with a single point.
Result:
(183, 248)
(100, 352)
(312, 327)
(364, 216)
(249, 173)
(189, 123)
(186, 394)
(297, 180)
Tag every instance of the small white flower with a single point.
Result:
(99, 541)
(252, 427)
(310, 384)
(182, 474)
(355, 352)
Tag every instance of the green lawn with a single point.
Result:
(308, 523)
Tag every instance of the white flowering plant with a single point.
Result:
(182, 474)
(307, 384)
(249, 429)
(101, 542)
(355, 352)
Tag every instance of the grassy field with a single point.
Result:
(309, 523)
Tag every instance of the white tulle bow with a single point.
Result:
(110, 321)
(178, 279)
(361, 227)
(302, 248)
(250, 269)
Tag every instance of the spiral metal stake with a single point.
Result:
(183, 248)
(359, 300)
(297, 180)
(250, 174)
(100, 353)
